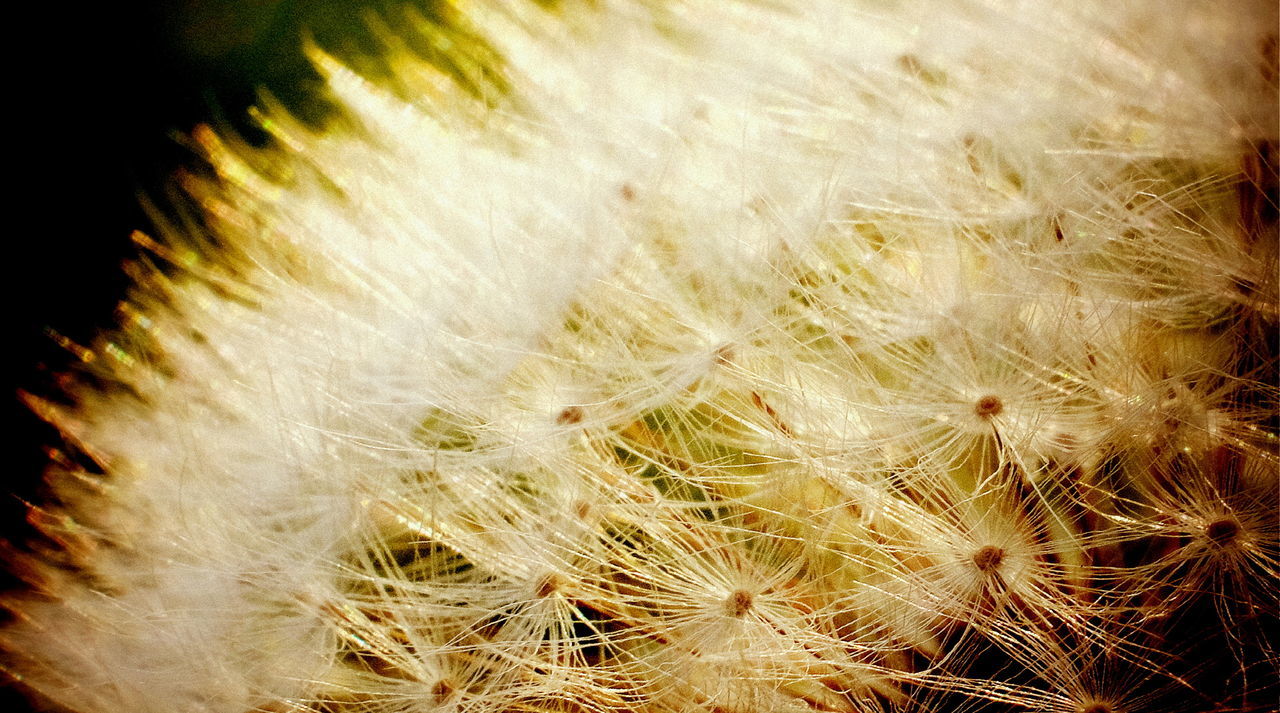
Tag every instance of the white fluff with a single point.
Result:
(677, 344)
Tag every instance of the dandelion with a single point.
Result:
(684, 356)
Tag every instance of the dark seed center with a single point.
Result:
(442, 690)
(1222, 531)
(988, 406)
(988, 558)
(569, 416)
(740, 603)
(548, 585)
(724, 355)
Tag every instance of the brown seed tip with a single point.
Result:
(548, 585)
(724, 355)
(988, 558)
(442, 690)
(1222, 531)
(1096, 707)
(570, 415)
(739, 603)
(988, 406)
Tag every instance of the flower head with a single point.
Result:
(918, 361)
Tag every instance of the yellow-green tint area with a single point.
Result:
(235, 47)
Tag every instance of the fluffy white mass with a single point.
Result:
(700, 356)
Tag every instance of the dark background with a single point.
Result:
(103, 95)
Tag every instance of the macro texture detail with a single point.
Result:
(733, 356)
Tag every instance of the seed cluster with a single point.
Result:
(924, 360)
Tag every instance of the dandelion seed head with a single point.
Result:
(600, 361)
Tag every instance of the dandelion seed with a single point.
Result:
(739, 603)
(548, 585)
(570, 415)
(442, 691)
(988, 406)
(988, 559)
(1222, 532)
